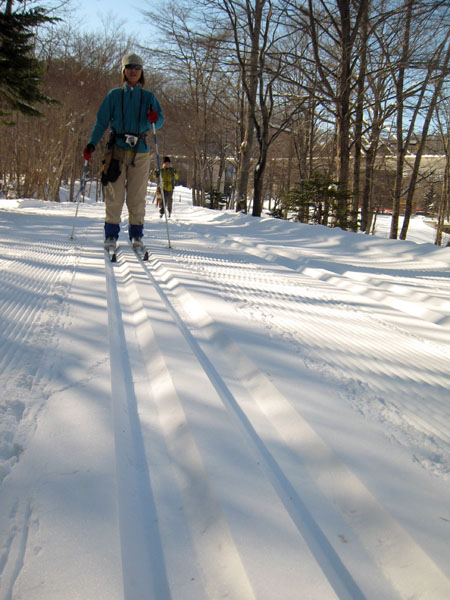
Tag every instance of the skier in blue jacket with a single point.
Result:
(130, 111)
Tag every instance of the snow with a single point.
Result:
(260, 411)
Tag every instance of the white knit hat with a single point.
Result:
(132, 59)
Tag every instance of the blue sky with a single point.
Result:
(92, 12)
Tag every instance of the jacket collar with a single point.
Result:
(127, 86)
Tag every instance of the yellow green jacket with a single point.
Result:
(168, 176)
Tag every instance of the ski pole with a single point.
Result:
(82, 184)
(161, 185)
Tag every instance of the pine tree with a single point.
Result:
(20, 71)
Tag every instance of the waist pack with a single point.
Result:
(112, 164)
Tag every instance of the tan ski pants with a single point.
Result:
(132, 180)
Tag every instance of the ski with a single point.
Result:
(111, 249)
(140, 249)
(112, 254)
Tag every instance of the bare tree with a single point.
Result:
(203, 87)
(360, 107)
(419, 68)
(259, 45)
(437, 71)
(249, 23)
(443, 209)
(334, 29)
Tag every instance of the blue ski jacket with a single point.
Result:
(125, 111)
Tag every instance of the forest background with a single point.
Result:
(324, 111)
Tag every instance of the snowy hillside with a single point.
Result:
(261, 411)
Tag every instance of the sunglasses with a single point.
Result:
(134, 67)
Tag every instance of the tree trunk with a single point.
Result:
(258, 179)
(367, 201)
(401, 147)
(442, 206)
(343, 111)
(245, 157)
(249, 74)
(359, 120)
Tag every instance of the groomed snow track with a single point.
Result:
(167, 455)
(234, 476)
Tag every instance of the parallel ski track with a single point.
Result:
(158, 327)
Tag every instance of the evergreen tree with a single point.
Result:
(20, 71)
